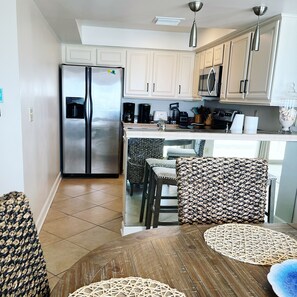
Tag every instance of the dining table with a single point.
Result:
(177, 256)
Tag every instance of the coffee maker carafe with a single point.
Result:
(128, 112)
(174, 113)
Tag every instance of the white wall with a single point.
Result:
(39, 57)
(11, 159)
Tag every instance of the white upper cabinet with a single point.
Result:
(164, 74)
(250, 73)
(218, 54)
(158, 74)
(208, 62)
(89, 55)
(259, 79)
(138, 73)
(238, 66)
(108, 56)
(185, 72)
(80, 55)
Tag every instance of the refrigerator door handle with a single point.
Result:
(89, 113)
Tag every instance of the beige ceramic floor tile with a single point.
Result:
(98, 215)
(61, 255)
(115, 190)
(73, 205)
(74, 190)
(60, 197)
(67, 226)
(47, 238)
(114, 225)
(54, 214)
(98, 197)
(116, 205)
(93, 238)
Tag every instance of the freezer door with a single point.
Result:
(73, 119)
(106, 94)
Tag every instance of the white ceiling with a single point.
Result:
(65, 15)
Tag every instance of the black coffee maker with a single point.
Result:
(128, 112)
(144, 113)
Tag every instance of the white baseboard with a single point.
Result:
(126, 230)
(40, 220)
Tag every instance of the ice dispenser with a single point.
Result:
(75, 107)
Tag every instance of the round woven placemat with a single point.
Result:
(127, 287)
(251, 244)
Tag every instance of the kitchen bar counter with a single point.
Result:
(174, 132)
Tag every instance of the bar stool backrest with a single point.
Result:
(221, 190)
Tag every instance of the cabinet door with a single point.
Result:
(109, 56)
(185, 74)
(138, 73)
(199, 65)
(261, 65)
(208, 58)
(164, 73)
(238, 66)
(218, 54)
(224, 78)
(80, 55)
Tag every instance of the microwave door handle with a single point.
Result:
(207, 82)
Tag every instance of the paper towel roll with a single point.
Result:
(237, 124)
(250, 125)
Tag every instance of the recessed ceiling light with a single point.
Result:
(167, 21)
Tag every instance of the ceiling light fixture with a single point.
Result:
(195, 6)
(259, 11)
(167, 21)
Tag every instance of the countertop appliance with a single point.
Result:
(210, 82)
(183, 119)
(144, 113)
(90, 120)
(128, 112)
(174, 113)
(223, 118)
(160, 115)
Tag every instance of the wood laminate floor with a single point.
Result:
(85, 214)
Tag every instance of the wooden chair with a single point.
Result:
(23, 268)
(221, 190)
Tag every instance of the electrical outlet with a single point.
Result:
(30, 114)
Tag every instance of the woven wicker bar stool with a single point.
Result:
(160, 176)
(139, 149)
(177, 152)
(23, 267)
(150, 163)
(221, 190)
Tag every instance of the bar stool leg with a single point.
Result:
(157, 203)
(150, 202)
(147, 178)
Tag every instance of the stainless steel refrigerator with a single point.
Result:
(90, 120)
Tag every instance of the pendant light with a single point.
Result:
(195, 6)
(259, 11)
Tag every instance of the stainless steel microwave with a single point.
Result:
(210, 82)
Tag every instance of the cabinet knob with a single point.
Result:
(241, 87)
(147, 87)
(179, 89)
(153, 87)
